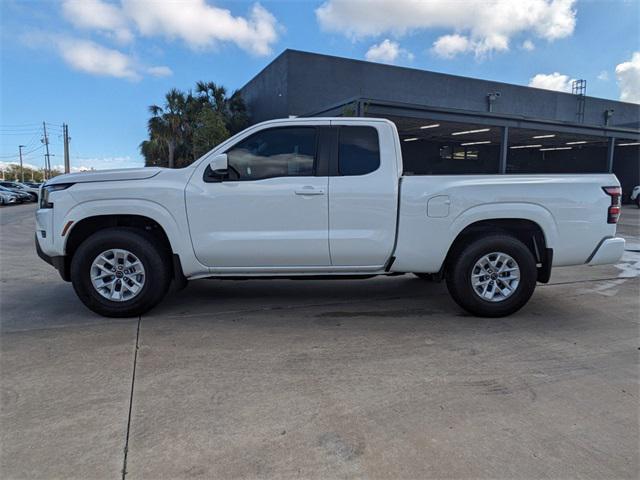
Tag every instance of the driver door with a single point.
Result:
(271, 208)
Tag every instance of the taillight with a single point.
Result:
(613, 213)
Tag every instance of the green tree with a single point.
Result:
(169, 124)
(187, 126)
(209, 131)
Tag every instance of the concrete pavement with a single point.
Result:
(381, 378)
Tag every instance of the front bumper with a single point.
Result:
(60, 262)
(609, 251)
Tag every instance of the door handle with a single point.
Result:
(309, 191)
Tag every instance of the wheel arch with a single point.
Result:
(526, 230)
(89, 224)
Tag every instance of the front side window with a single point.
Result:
(276, 152)
(358, 151)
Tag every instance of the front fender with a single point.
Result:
(176, 229)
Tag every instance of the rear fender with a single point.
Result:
(516, 211)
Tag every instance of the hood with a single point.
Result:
(107, 175)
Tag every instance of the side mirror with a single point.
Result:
(219, 164)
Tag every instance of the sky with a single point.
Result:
(97, 65)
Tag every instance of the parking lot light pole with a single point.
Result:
(20, 147)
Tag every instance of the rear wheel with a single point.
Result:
(492, 276)
(120, 272)
(638, 201)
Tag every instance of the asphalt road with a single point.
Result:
(383, 378)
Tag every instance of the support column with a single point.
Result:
(504, 148)
(611, 144)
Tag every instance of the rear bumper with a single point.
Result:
(609, 251)
(59, 263)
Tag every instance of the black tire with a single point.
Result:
(638, 201)
(154, 259)
(458, 275)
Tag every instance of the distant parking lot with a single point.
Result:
(382, 378)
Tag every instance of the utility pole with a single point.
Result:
(20, 147)
(65, 133)
(47, 161)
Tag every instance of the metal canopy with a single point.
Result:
(379, 108)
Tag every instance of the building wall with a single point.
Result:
(310, 82)
(267, 95)
(301, 83)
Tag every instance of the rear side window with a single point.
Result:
(358, 150)
(277, 152)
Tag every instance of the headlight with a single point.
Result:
(47, 190)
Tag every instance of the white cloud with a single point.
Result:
(479, 26)
(89, 57)
(100, 163)
(628, 75)
(81, 168)
(528, 45)
(448, 46)
(92, 58)
(195, 22)
(553, 81)
(202, 25)
(98, 15)
(603, 76)
(387, 51)
(6, 165)
(161, 71)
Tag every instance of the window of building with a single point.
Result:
(538, 151)
(432, 147)
(276, 152)
(358, 151)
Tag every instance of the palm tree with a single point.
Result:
(168, 124)
(188, 124)
(154, 152)
(232, 108)
(214, 95)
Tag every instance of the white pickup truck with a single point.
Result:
(320, 197)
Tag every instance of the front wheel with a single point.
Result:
(493, 276)
(120, 272)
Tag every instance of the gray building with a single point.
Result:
(455, 125)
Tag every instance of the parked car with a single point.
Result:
(635, 195)
(7, 198)
(320, 197)
(21, 195)
(32, 191)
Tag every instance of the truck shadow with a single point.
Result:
(397, 302)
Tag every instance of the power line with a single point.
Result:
(24, 154)
(23, 134)
(26, 125)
